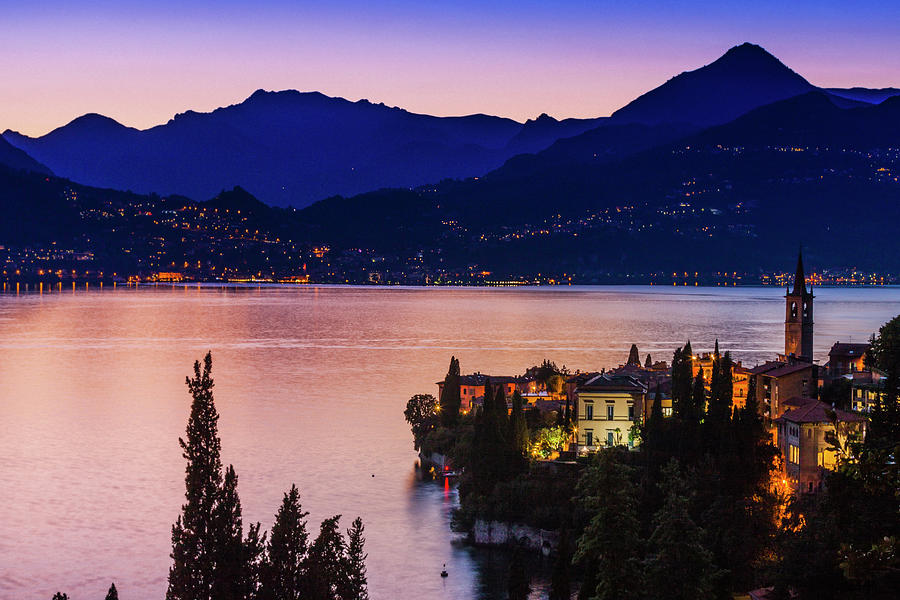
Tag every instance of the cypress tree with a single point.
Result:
(487, 407)
(228, 582)
(502, 413)
(284, 574)
(634, 357)
(679, 566)
(450, 398)
(655, 421)
(195, 546)
(611, 541)
(325, 564)
(726, 383)
(255, 562)
(682, 380)
(355, 567)
(720, 398)
(113, 593)
(518, 426)
(698, 397)
(648, 363)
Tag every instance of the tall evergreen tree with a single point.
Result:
(611, 541)
(519, 426)
(682, 381)
(634, 357)
(679, 566)
(112, 593)
(656, 411)
(284, 574)
(720, 397)
(255, 562)
(325, 565)
(195, 540)
(648, 362)
(698, 397)
(229, 583)
(450, 398)
(355, 584)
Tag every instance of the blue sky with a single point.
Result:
(142, 62)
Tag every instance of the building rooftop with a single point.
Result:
(843, 349)
(779, 369)
(608, 382)
(810, 410)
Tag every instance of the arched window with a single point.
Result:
(805, 309)
(793, 310)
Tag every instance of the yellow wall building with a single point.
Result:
(608, 407)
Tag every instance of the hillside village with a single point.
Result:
(806, 405)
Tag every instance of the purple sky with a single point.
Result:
(142, 62)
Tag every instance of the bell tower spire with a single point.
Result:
(798, 320)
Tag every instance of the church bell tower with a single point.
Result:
(798, 318)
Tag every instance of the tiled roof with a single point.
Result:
(788, 369)
(613, 383)
(809, 410)
(769, 365)
(842, 349)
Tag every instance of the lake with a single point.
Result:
(311, 383)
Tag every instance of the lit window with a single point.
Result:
(794, 454)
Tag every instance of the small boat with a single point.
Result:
(444, 572)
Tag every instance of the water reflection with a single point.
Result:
(311, 385)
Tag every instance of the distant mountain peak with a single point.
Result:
(748, 49)
(95, 121)
(542, 119)
(745, 77)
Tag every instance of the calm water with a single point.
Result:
(311, 384)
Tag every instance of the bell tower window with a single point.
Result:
(793, 310)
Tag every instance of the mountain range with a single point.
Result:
(702, 173)
(290, 148)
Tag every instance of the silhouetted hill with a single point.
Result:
(287, 148)
(812, 120)
(744, 78)
(872, 96)
(539, 133)
(637, 198)
(17, 159)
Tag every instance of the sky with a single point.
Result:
(142, 62)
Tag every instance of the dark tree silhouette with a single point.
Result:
(284, 574)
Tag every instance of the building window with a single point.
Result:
(809, 433)
(589, 412)
(631, 412)
(610, 412)
(610, 438)
(667, 411)
(588, 437)
(794, 454)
